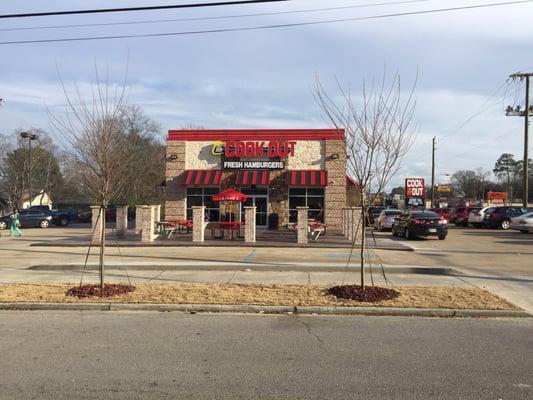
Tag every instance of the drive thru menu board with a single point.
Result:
(414, 191)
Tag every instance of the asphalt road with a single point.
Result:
(112, 355)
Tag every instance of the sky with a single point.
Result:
(263, 78)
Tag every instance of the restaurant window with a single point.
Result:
(306, 197)
(202, 197)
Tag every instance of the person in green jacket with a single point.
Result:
(15, 222)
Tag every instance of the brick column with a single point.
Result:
(355, 228)
(249, 226)
(302, 224)
(157, 213)
(138, 219)
(198, 219)
(122, 222)
(96, 224)
(147, 227)
(335, 191)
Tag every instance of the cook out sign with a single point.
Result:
(252, 149)
(414, 187)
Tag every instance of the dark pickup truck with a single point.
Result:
(59, 218)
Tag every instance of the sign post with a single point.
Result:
(415, 192)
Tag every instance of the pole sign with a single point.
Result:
(415, 188)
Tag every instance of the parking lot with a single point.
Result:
(495, 251)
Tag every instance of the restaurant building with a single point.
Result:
(278, 169)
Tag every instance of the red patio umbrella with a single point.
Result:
(230, 195)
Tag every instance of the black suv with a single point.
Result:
(500, 217)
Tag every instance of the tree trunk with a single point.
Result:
(102, 247)
(363, 243)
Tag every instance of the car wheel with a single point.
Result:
(505, 224)
(44, 224)
(393, 232)
(407, 234)
(3, 225)
(465, 224)
(524, 231)
(63, 221)
(442, 237)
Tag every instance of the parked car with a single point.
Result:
(420, 223)
(476, 217)
(500, 217)
(28, 219)
(59, 218)
(459, 215)
(523, 223)
(444, 213)
(372, 214)
(386, 218)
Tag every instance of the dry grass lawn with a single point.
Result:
(286, 295)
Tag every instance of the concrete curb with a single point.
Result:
(253, 309)
(325, 246)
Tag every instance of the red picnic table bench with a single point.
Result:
(229, 227)
(168, 228)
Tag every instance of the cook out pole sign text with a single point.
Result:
(253, 149)
(414, 188)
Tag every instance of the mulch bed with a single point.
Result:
(367, 294)
(109, 290)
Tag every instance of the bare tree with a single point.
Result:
(378, 135)
(92, 129)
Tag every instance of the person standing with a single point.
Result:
(15, 223)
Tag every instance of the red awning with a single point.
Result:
(253, 178)
(201, 177)
(308, 178)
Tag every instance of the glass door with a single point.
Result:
(259, 199)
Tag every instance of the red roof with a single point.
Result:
(255, 134)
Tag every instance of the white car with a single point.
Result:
(386, 218)
(523, 223)
(476, 218)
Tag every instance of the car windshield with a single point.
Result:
(424, 215)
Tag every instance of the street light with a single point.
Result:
(30, 137)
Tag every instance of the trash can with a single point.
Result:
(273, 220)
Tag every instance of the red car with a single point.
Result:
(459, 215)
(443, 213)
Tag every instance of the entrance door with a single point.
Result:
(259, 199)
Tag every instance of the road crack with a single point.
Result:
(310, 332)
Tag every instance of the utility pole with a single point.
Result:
(433, 173)
(525, 114)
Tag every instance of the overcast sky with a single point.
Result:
(262, 78)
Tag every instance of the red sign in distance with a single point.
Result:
(415, 188)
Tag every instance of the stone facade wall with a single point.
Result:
(200, 157)
(308, 154)
(335, 193)
(175, 191)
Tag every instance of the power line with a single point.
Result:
(143, 8)
(264, 14)
(252, 28)
(444, 137)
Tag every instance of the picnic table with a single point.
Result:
(229, 227)
(168, 228)
(315, 229)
